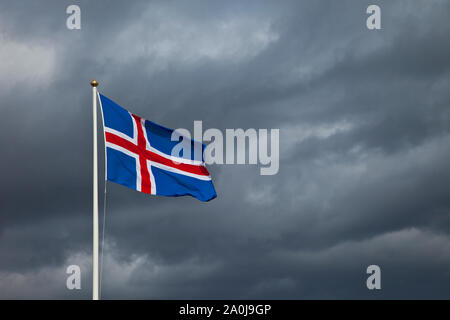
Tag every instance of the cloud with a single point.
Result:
(25, 63)
(164, 36)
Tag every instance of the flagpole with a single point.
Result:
(94, 85)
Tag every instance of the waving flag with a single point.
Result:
(138, 156)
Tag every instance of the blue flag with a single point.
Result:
(139, 156)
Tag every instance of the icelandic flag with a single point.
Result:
(139, 156)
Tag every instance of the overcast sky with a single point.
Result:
(364, 119)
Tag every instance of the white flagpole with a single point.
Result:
(94, 85)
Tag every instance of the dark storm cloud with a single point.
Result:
(364, 125)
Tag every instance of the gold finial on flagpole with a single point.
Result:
(94, 83)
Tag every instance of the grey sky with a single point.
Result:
(364, 123)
